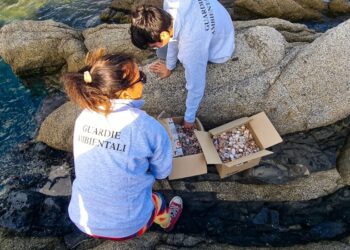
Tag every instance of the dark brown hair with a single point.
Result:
(146, 25)
(110, 74)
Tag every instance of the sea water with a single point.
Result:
(19, 102)
(18, 105)
(75, 13)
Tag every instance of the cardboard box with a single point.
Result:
(190, 165)
(265, 136)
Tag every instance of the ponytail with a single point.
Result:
(100, 80)
(85, 95)
(92, 57)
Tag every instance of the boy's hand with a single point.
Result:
(188, 125)
(160, 69)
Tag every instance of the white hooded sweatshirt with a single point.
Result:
(117, 159)
(203, 31)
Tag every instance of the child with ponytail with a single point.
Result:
(119, 151)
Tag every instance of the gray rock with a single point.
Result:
(300, 154)
(207, 221)
(346, 240)
(177, 241)
(234, 89)
(119, 10)
(184, 240)
(316, 185)
(339, 7)
(129, 4)
(313, 90)
(21, 210)
(50, 104)
(294, 10)
(300, 87)
(41, 47)
(278, 24)
(292, 32)
(336, 245)
(324, 245)
(47, 47)
(303, 36)
(31, 213)
(57, 129)
(146, 241)
(258, 49)
(59, 182)
(27, 167)
(25, 243)
(286, 9)
(343, 163)
(114, 39)
(114, 16)
(307, 89)
(206, 209)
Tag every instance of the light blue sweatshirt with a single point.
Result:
(203, 31)
(117, 159)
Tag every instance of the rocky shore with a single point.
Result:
(299, 195)
(293, 10)
(298, 77)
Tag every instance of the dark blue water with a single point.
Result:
(18, 102)
(75, 13)
(327, 24)
(18, 105)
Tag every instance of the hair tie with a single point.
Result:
(87, 77)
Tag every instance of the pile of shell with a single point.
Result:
(188, 140)
(234, 144)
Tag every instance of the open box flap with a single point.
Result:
(227, 126)
(227, 171)
(186, 166)
(264, 130)
(256, 155)
(209, 151)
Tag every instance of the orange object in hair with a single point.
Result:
(165, 37)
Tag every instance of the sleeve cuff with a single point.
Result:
(170, 66)
(163, 176)
(190, 119)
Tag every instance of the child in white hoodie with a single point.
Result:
(119, 151)
(193, 31)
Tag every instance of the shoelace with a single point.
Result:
(173, 210)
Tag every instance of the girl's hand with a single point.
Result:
(160, 69)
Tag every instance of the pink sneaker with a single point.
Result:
(175, 210)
